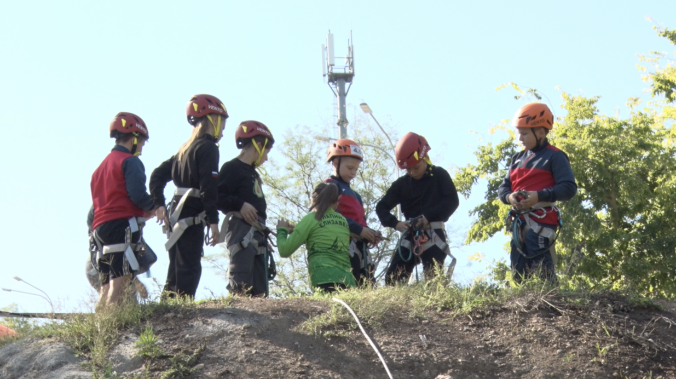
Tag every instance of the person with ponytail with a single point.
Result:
(194, 172)
(326, 236)
(241, 199)
(428, 198)
(121, 205)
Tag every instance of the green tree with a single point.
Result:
(619, 229)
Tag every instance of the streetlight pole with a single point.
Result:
(46, 297)
(29, 293)
(365, 107)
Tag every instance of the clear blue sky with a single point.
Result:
(68, 67)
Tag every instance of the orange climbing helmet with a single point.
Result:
(410, 150)
(126, 122)
(202, 105)
(344, 148)
(534, 115)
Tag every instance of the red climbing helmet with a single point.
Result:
(126, 122)
(344, 148)
(534, 115)
(410, 150)
(202, 105)
(249, 129)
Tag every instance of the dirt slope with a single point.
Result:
(531, 337)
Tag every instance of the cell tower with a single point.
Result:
(337, 77)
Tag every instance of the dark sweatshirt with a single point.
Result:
(434, 196)
(546, 170)
(239, 182)
(198, 169)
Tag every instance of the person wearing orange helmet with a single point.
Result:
(538, 177)
(241, 198)
(194, 171)
(121, 205)
(428, 198)
(346, 155)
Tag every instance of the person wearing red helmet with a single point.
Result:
(194, 172)
(241, 198)
(538, 177)
(121, 205)
(428, 198)
(345, 155)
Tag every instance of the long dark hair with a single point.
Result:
(323, 196)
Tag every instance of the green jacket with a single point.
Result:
(327, 242)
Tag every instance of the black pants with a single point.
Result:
(111, 233)
(400, 269)
(330, 287)
(185, 266)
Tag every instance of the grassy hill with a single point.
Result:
(430, 330)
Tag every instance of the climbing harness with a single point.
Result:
(365, 259)
(262, 248)
(132, 251)
(176, 227)
(521, 221)
(424, 239)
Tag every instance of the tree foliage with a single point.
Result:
(619, 229)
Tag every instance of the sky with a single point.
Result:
(431, 67)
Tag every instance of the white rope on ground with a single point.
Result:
(373, 345)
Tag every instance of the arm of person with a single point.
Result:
(158, 180)
(448, 202)
(90, 218)
(287, 243)
(505, 188)
(565, 187)
(387, 203)
(135, 181)
(207, 161)
(227, 186)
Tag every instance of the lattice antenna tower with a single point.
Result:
(338, 77)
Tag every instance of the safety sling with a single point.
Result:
(240, 238)
(128, 248)
(177, 226)
(432, 239)
(364, 255)
(249, 239)
(522, 221)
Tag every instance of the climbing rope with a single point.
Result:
(373, 345)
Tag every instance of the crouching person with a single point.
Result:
(326, 236)
(121, 205)
(538, 177)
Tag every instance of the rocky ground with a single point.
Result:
(602, 336)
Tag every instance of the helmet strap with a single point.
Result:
(260, 151)
(429, 164)
(340, 159)
(133, 147)
(538, 141)
(216, 125)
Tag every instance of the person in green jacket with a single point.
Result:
(326, 236)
